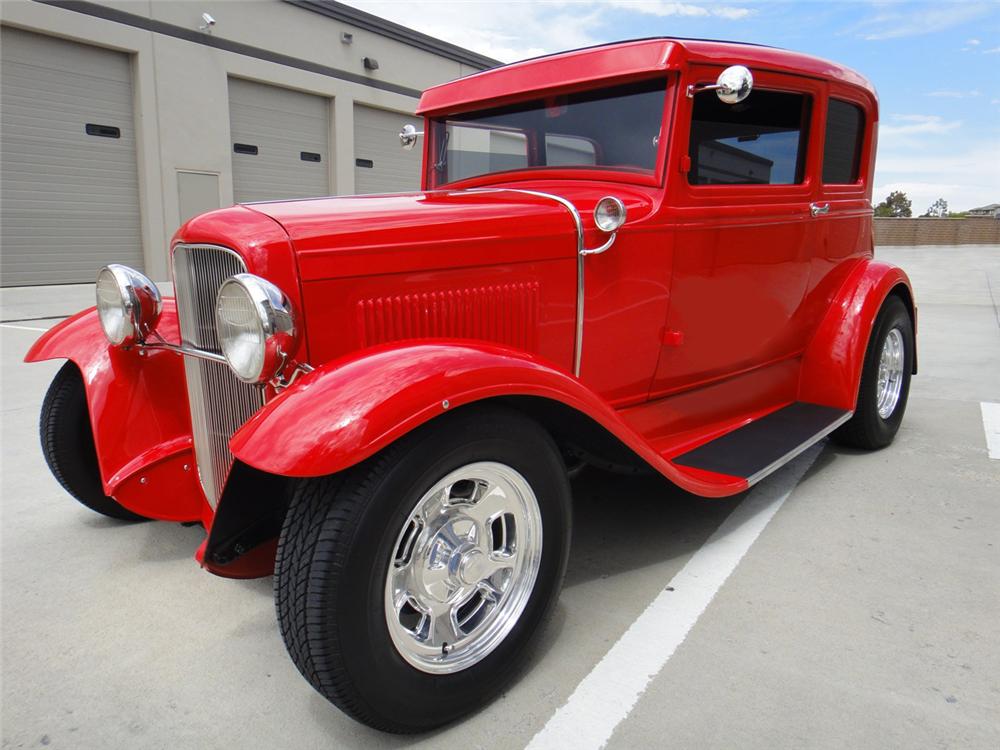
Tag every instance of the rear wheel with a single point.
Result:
(409, 587)
(68, 444)
(885, 381)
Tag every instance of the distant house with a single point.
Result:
(992, 210)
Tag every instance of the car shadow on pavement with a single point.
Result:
(624, 523)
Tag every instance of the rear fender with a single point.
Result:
(138, 413)
(349, 409)
(834, 359)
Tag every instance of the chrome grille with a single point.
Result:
(220, 402)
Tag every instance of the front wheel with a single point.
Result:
(885, 381)
(68, 444)
(409, 587)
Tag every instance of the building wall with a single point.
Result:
(181, 100)
(968, 231)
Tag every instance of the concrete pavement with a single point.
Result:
(864, 615)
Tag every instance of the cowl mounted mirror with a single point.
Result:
(408, 136)
(733, 85)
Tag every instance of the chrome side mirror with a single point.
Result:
(408, 136)
(733, 85)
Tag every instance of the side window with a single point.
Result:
(760, 141)
(845, 129)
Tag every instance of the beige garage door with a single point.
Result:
(280, 145)
(69, 189)
(381, 165)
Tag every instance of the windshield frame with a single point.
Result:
(436, 127)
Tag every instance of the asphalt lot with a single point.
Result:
(864, 615)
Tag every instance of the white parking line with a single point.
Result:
(991, 423)
(23, 328)
(609, 693)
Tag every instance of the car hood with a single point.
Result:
(367, 234)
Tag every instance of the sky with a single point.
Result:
(936, 65)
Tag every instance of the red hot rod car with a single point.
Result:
(647, 255)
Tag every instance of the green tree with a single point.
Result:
(897, 205)
(938, 209)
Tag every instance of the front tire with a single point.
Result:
(68, 444)
(409, 587)
(885, 381)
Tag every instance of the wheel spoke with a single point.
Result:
(444, 629)
(490, 592)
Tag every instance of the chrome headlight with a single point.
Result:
(256, 327)
(128, 304)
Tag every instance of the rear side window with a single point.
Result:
(845, 129)
(760, 141)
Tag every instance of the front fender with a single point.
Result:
(349, 409)
(834, 359)
(138, 413)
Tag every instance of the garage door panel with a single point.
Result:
(50, 53)
(281, 124)
(376, 139)
(69, 200)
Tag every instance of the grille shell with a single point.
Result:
(220, 402)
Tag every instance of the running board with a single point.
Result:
(765, 445)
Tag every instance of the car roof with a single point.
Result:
(620, 61)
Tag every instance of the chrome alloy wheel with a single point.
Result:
(890, 373)
(463, 567)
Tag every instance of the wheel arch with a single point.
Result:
(349, 409)
(138, 414)
(834, 359)
(905, 294)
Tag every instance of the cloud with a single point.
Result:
(664, 9)
(991, 51)
(952, 94)
(511, 31)
(917, 125)
(965, 179)
(918, 20)
(972, 42)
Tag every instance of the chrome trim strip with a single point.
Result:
(581, 253)
(771, 468)
(187, 351)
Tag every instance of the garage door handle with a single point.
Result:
(103, 131)
(818, 210)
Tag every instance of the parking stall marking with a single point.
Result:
(991, 424)
(608, 694)
(23, 328)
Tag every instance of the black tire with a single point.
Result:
(867, 429)
(339, 537)
(68, 444)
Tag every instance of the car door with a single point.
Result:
(844, 194)
(744, 233)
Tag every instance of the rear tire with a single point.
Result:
(885, 381)
(68, 444)
(349, 537)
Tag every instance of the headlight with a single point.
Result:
(128, 304)
(256, 327)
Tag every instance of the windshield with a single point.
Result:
(610, 128)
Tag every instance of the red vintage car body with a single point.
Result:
(716, 306)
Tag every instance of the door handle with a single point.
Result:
(817, 210)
